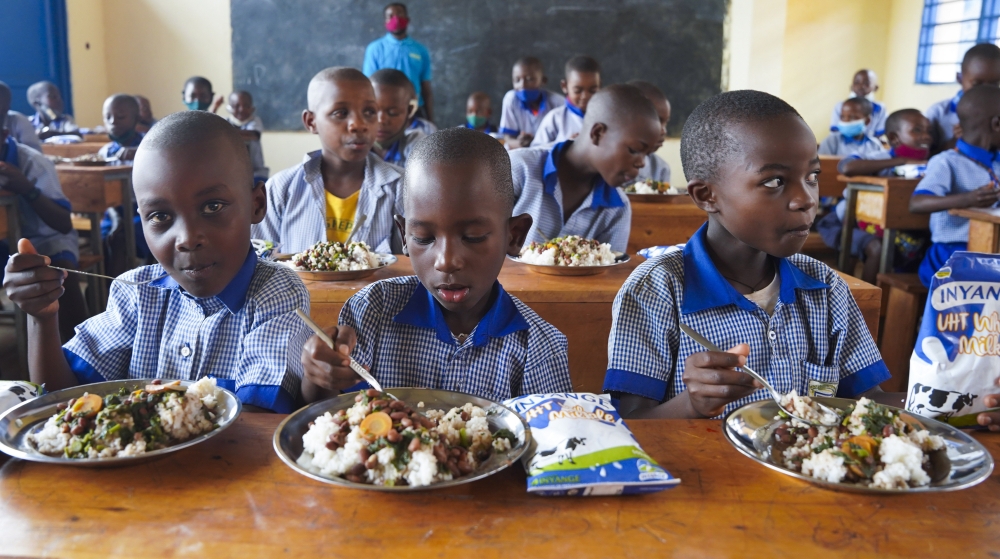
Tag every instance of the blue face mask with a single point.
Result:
(529, 96)
(851, 129)
(196, 105)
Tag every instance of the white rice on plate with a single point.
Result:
(335, 257)
(571, 250)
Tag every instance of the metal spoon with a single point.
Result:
(355, 366)
(357, 226)
(125, 281)
(777, 396)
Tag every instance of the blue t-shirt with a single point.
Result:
(407, 56)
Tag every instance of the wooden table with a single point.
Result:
(102, 138)
(659, 223)
(579, 307)
(94, 189)
(984, 228)
(885, 202)
(72, 150)
(233, 497)
(830, 184)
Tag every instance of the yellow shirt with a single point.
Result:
(340, 216)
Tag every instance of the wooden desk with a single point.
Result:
(656, 224)
(884, 201)
(579, 307)
(102, 138)
(94, 189)
(72, 150)
(830, 184)
(233, 497)
(984, 228)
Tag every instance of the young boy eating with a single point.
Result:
(964, 177)
(572, 187)
(980, 65)
(243, 115)
(323, 197)
(211, 309)
(478, 111)
(526, 105)
(452, 326)
(49, 119)
(851, 138)
(864, 85)
(583, 79)
(121, 115)
(739, 281)
(655, 167)
(397, 102)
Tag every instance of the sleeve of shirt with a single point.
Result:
(255, 124)
(24, 132)
(508, 125)
(425, 69)
(370, 65)
(861, 365)
(618, 230)
(546, 132)
(642, 348)
(364, 313)
(42, 173)
(102, 347)
(828, 146)
(937, 180)
(269, 228)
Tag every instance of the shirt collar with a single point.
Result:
(502, 318)
(542, 104)
(705, 288)
(10, 151)
(603, 194)
(982, 156)
(574, 109)
(234, 295)
(953, 105)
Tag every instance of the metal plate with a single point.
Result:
(384, 260)
(750, 430)
(31, 416)
(288, 436)
(620, 258)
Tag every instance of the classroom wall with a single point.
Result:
(903, 31)
(87, 59)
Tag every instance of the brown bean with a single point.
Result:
(813, 432)
(354, 478)
(454, 469)
(397, 405)
(380, 403)
(465, 416)
(71, 402)
(888, 430)
(440, 453)
(332, 445)
(397, 415)
(371, 462)
(456, 452)
(371, 392)
(157, 381)
(65, 428)
(364, 453)
(357, 469)
(61, 407)
(69, 416)
(465, 467)
(406, 422)
(393, 436)
(77, 429)
(414, 445)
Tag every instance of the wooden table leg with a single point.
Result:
(888, 251)
(984, 236)
(847, 230)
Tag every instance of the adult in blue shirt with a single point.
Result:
(398, 51)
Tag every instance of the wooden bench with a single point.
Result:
(984, 228)
(903, 298)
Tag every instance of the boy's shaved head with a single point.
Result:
(477, 96)
(707, 140)
(331, 75)
(987, 52)
(616, 104)
(454, 145)
(187, 129)
(198, 81)
(393, 78)
(863, 105)
(37, 90)
(651, 92)
(894, 123)
(978, 106)
(124, 100)
(529, 62)
(582, 64)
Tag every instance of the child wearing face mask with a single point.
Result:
(398, 51)
(865, 84)
(526, 105)
(197, 95)
(851, 138)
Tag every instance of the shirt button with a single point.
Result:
(772, 336)
(185, 351)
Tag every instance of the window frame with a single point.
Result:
(989, 15)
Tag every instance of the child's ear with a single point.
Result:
(868, 120)
(309, 120)
(703, 194)
(519, 225)
(400, 222)
(562, 84)
(893, 139)
(259, 202)
(597, 132)
(995, 123)
(545, 80)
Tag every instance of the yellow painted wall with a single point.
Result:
(87, 60)
(901, 61)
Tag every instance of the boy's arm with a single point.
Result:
(852, 166)
(982, 197)
(51, 213)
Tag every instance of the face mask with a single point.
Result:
(397, 24)
(196, 105)
(239, 123)
(903, 150)
(475, 121)
(851, 129)
(529, 95)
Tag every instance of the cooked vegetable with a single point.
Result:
(87, 406)
(376, 425)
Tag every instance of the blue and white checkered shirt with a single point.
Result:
(837, 144)
(399, 152)
(875, 128)
(815, 342)
(655, 168)
(950, 172)
(248, 336)
(403, 337)
(64, 124)
(604, 214)
(560, 124)
(944, 117)
(424, 125)
(296, 205)
(515, 117)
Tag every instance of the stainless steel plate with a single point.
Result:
(750, 429)
(384, 260)
(32, 415)
(288, 436)
(620, 258)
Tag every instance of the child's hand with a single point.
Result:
(219, 100)
(982, 197)
(329, 368)
(31, 284)
(712, 381)
(15, 181)
(991, 420)
(524, 139)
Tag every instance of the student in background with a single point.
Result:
(864, 84)
(44, 213)
(121, 115)
(855, 115)
(582, 80)
(146, 120)
(243, 115)
(572, 188)
(322, 198)
(655, 168)
(451, 326)
(397, 51)
(197, 95)
(964, 177)
(478, 111)
(49, 119)
(23, 132)
(396, 104)
(980, 65)
(526, 105)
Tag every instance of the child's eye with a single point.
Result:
(370, 112)
(776, 182)
(813, 178)
(158, 217)
(339, 114)
(213, 207)
(632, 151)
(474, 240)
(423, 240)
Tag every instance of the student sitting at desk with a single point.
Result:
(573, 188)
(121, 115)
(964, 177)
(210, 307)
(49, 119)
(855, 115)
(526, 105)
(980, 65)
(397, 102)
(582, 81)
(322, 198)
(243, 115)
(478, 111)
(864, 84)
(197, 95)
(452, 326)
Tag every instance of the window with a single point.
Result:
(949, 28)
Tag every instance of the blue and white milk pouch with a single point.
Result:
(580, 446)
(956, 361)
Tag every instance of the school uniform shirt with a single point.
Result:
(248, 336)
(815, 342)
(944, 117)
(654, 168)
(407, 56)
(399, 152)
(604, 214)
(22, 130)
(42, 173)
(424, 125)
(517, 117)
(838, 144)
(403, 337)
(111, 148)
(560, 124)
(63, 125)
(260, 171)
(296, 205)
(875, 128)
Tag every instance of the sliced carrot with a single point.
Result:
(87, 405)
(376, 424)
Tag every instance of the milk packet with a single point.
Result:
(580, 446)
(15, 392)
(956, 361)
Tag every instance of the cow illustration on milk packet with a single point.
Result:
(580, 446)
(956, 360)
